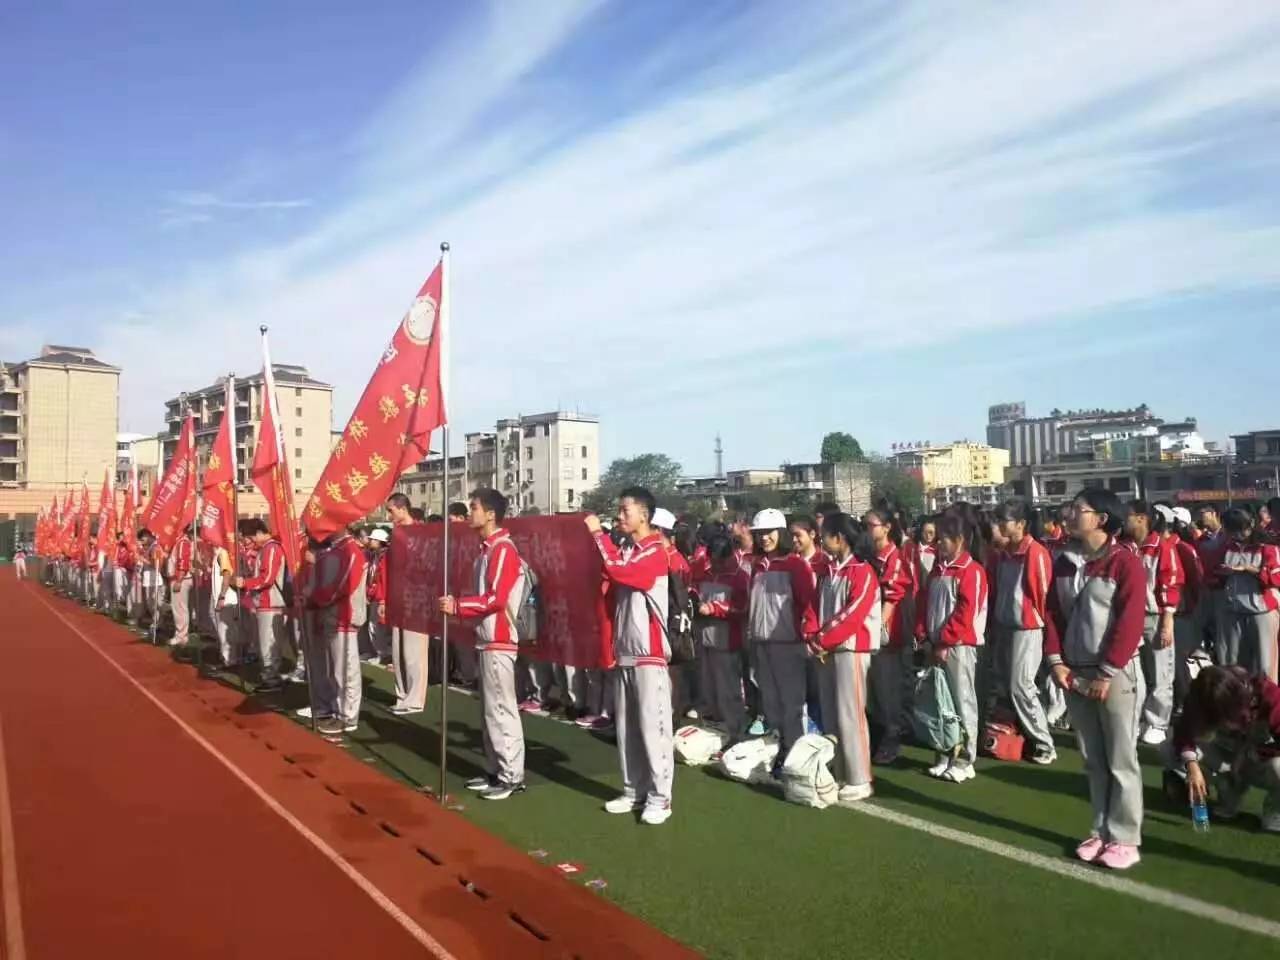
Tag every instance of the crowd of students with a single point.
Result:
(1126, 623)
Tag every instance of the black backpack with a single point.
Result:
(680, 612)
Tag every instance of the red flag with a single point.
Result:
(271, 468)
(107, 516)
(67, 526)
(173, 504)
(82, 541)
(129, 515)
(391, 427)
(218, 517)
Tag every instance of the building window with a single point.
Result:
(297, 474)
(566, 452)
(297, 411)
(584, 453)
(569, 496)
(584, 473)
(1056, 488)
(1119, 485)
(297, 452)
(297, 391)
(422, 488)
(528, 476)
(1019, 488)
(530, 431)
(566, 473)
(297, 431)
(528, 453)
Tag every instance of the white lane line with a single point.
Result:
(360, 880)
(14, 946)
(1095, 876)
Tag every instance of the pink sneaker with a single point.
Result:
(1118, 856)
(602, 723)
(530, 706)
(586, 720)
(1089, 850)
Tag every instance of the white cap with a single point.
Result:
(1182, 514)
(1166, 512)
(770, 519)
(379, 534)
(664, 519)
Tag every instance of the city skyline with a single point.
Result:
(682, 218)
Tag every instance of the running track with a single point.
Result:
(155, 814)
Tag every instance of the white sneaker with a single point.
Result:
(480, 783)
(852, 793)
(1153, 737)
(622, 805)
(939, 768)
(691, 714)
(959, 773)
(655, 816)
(1271, 821)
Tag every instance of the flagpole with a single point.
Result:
(193, 597)
(233, 549)
(443, 330)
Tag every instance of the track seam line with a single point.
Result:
(15, 947)
(1085, 874)
(360, 880)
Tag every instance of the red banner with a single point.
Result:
(270, 469)
(173, 504)
(107, 517)
(558, 549)
(217, 516)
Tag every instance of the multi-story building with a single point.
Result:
(306, 416)
(139, 450)
(960, 464)
(1033, 440)
(58, 415)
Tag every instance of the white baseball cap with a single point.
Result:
(379, 534)
(664, 519)
(1166, 512)
(1182, 515)
(769, 519)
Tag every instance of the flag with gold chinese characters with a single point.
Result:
(390, 430)
(173, 504)
(83, 521)
(129, 513)
(107, 517)
(217, 516)
(270, 469)
(67, 526)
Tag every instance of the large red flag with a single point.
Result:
(82, 543)
(218, 516)
(173, 504)
(129, 514)
(107, 516)
(271, 467)
(391, 427)
(67, 525)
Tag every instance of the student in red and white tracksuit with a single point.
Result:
(1250, 570)
(1188, 631)
(642, 686)
(891, 667)
(498, 586)
(1211, 545)
(1022, 579)
(849, 612)
(265, 590)
(379, 635)
(807, 543)
(181, 580)
(1145, 530)
(780, 619)
(722, 588)
(338, 597)
(1093, 652)
(951, 623)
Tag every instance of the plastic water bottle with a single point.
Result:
(1200, 816)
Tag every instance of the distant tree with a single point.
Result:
(841, 448)
(656, 472)
(890, 482)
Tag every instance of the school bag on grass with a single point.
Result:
(695, 746)
(806, 779)
(751, 760)
(934, 716)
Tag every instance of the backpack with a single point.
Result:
(806, 780)
(529, 615)
(751, 760)
(286, 588)
(696, 746)
(934, 716)
(680, 618)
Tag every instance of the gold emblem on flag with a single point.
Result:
(420, 321)
(411, 397)
(356, 481)
(215, 461)
(334, 491)
(378, 465)
(387, 407)
(357, 430)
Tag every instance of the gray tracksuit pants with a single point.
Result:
(1251, 638)
(271, 640)
(409, 652)
(781, 676)
(226, 623)
(1107, 732)
(1157, 672)
(1018, 657)
(342, 660)
(182, 611)
(642, 705)
(503, 733)
(842, 685)
(722, 689)
(961, 669)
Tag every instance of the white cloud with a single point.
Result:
(821, 177)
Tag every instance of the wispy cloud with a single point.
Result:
(190, 208)
(885, 176)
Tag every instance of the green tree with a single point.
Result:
(889, 482)
(656, 472)
(840, 447)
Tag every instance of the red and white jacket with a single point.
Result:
(1193, 576)
(266, 586)
(781, 608)
(1108, 614)
(640, 600)
(124, 558)
(1251, 592)
(338, 582)
(849, 607)
(820, 564)
(377, 589)
(1211, 547)
(178, 566)
(1023, 576)
(499, 586)
(1164, 574)
(954, 612)
(726, 592)
(895, 581)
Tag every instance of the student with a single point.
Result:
(684, 677)
(224, 608)
(266, 587)
(745, 556)
(1211, 545)
(376, 626)
(806, 542)
(1187, 625)
(123, 568)
(409, 648)
(1092, 644)
(499, 589)
(339, 595)
(1272, 527)
(1023, 576)
(20, 563)
(1250, 570)
(850, 632)
(459, 513)
(1145, 529)
(642, 686)
(891, 667)
(178, 569)
(951, 624)
(1053, 533)
(722, 593)
(1237, 719)
(780, 618)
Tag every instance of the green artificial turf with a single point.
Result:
(738, 872)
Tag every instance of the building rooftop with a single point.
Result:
(552, 417)
(55, 356)
(284, 373)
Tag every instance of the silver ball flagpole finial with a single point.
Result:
(444, 247)
(263, 328)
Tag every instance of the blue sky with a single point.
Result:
(769, 220)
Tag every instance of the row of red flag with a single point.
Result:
(389, 431)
